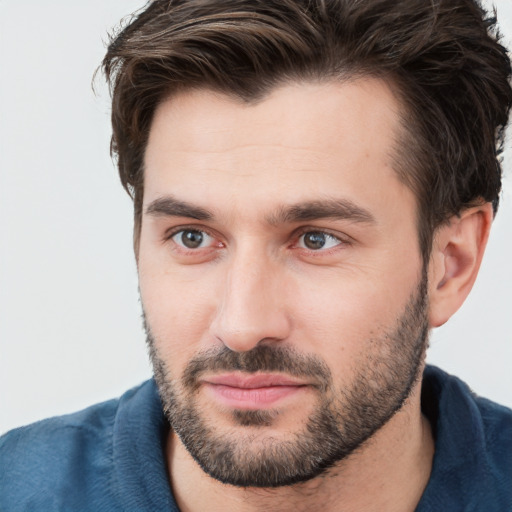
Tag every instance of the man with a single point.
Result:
(314, 185)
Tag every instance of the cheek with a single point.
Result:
(178, 310)
(334, 325)
(344, 312)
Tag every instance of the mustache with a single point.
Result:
(264, 358)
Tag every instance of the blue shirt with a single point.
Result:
(110, 457)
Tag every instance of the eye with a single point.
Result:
(317, 240)
(192, 239)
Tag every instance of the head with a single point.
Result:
(292, 165)
(442, 60)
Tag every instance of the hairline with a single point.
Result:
(401, 136)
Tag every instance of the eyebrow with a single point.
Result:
(342, 209)
(328, 208)
(171, 207)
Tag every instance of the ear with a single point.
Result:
(457, 252)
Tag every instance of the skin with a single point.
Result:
(255, 282)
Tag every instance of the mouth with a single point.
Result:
(252, 392)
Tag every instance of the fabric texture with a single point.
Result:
(110, 457)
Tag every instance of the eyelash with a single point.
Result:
(169, 235)
(342, 241)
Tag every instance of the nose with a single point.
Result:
(252, 307)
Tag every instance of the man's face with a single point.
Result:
(280, 276)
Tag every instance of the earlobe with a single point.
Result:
(457, 253)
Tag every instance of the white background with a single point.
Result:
(70, 328)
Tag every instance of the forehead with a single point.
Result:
(301, 142)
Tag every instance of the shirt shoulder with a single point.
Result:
(494, 421)
(497, 423)
(472, 465)
(59, 463)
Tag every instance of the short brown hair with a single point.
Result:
(442, 58)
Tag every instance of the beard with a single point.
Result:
(343, 419)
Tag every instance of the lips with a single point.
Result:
(252, 381)
(252, 392)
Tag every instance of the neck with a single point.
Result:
(389, 472)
